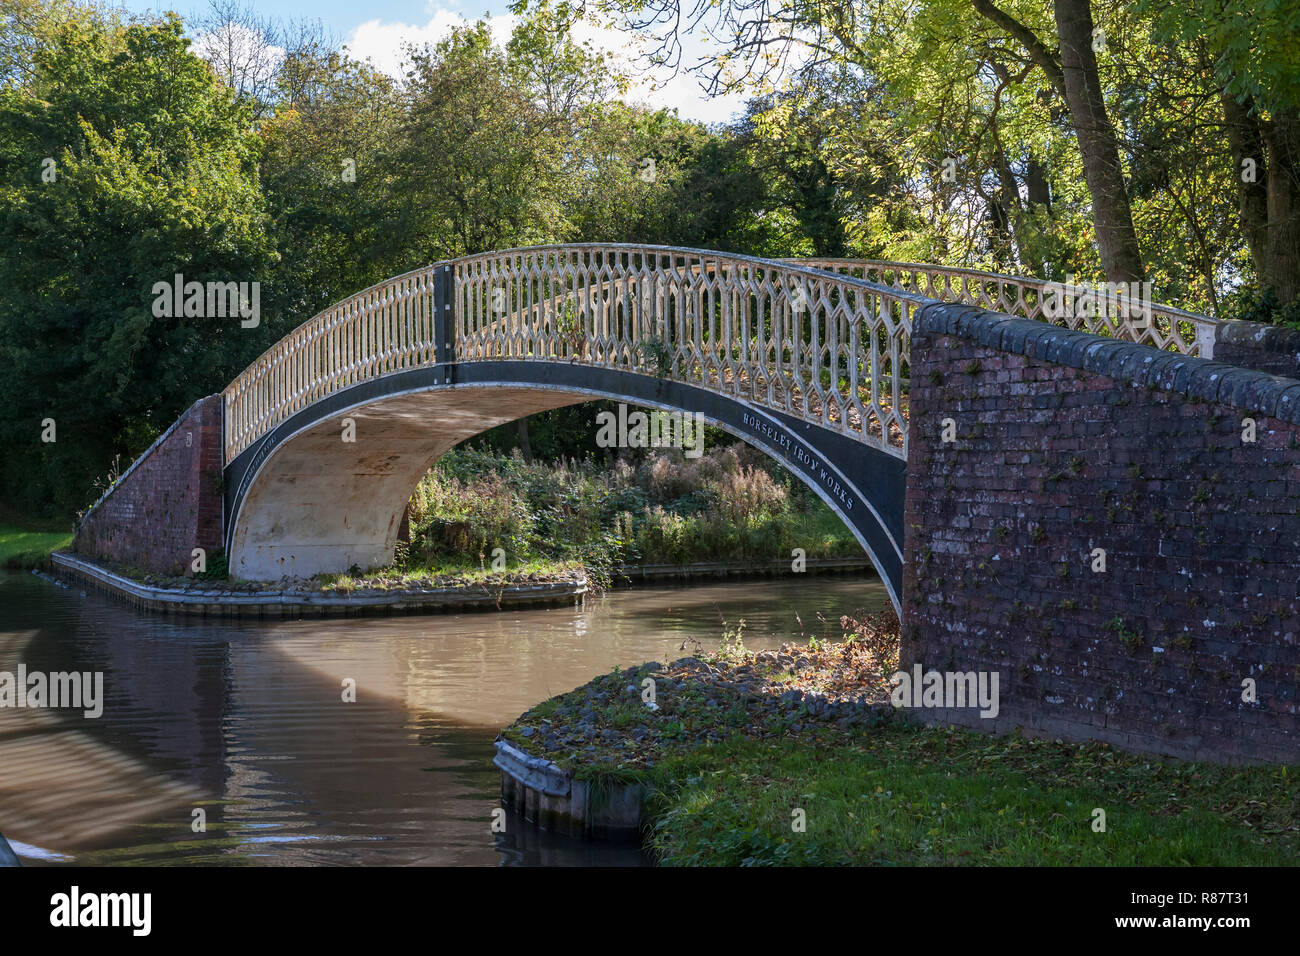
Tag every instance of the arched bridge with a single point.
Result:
(808, 361)
(305, 463)
(1113, 529)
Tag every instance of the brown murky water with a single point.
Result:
(245, 720)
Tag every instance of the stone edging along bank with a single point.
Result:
(7, 856)
(549, 796)
(294, 602)
(553, 799)
(583, 763)
(724, 569)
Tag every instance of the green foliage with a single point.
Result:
(732, 645)
(726, 505)
(1252, 305)
(656, 356)
(328, 176)
(1253, 45)
(479, 163)
(217, 569)
(325, 173)
(25, 548)
(1131, 639)
(155, 172)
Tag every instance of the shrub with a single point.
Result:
(730, 504)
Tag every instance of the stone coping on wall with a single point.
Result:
(1269, 338)
(290, 601)
(1140, 365)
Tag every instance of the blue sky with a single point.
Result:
(341, 16)
(376, 29)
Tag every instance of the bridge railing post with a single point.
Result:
(444, 316)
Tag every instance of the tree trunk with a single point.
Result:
(1282, 261)
(1075, 77)
(525, 446)
(1247, 142)
(1040, 193)
(1005, 208)
(1116, 238)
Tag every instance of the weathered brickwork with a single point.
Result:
(1066, 443)
(168, 503)
(1261, 347)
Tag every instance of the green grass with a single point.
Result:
(24, 548)
(447, 573)
(726, 771)
(899, 794)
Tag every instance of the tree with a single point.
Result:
(1073, 72)
(762, 34)
(1257, 65)
(824, 169)
(253, 55)
(125, 162)
(329, 183)
(479, 164)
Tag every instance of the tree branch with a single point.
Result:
(1038, 51)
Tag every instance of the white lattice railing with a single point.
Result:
(385, 328)
(1114, 316)
(822, 348)
(826, 341)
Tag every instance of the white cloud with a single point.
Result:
(383, 42)
(661, 89)
(683, 93)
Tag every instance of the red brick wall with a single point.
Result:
(168, 504)
(1066, 443)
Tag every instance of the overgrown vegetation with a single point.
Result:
(731, 504)
(605, 726)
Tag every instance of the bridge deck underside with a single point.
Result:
(323, 505)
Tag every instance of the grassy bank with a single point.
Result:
(738, 742)
(386, 579)
(902, 795)
(27, 548)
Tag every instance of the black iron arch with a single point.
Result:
(864, 486)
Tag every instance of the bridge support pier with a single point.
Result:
(1097, 532)
(166, 504)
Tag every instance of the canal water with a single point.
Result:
(245, 721)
